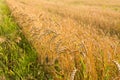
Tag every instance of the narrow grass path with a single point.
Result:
(18, 60)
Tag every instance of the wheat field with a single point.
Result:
(74, 39)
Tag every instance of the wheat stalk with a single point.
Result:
(73, 74)
(117, 64)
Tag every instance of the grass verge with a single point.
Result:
(18, 60)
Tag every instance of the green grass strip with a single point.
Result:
(18, 60)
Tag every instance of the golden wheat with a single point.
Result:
(68, 36)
